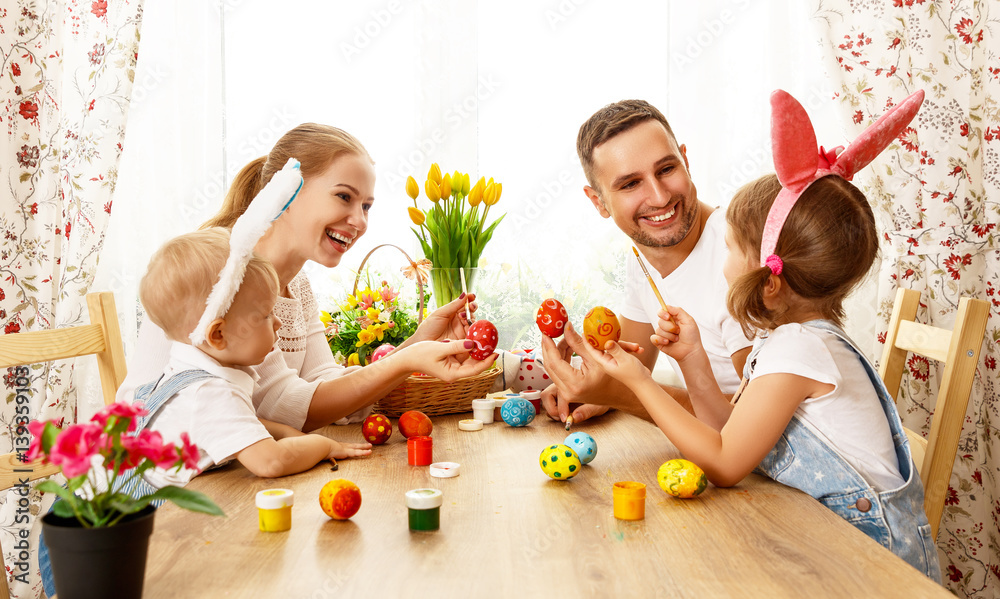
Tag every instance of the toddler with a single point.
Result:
(205, 389)
(812, 412)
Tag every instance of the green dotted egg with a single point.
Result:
(559, 462)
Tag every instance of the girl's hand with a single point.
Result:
(621, 364)
(447, 360)
(339, 451)
(447, 322)
(676, 334)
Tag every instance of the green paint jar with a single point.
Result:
(424, 507)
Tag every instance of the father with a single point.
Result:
(638, 176)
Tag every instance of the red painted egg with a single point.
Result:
(486, 337)
(551, 318)
(381, 352)
(376, 429)
(415, 424)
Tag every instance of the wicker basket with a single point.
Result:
(434, 397)
(428, 394)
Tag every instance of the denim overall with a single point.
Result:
(154, 398)
(895, 518)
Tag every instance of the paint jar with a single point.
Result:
(535, 397)
(424, 509)
(629, 500)
(274, 508)
(482, 410)
(420, 451)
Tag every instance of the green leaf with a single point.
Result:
(24, 177)
(51, 486)
(187, 499)
(49, 434)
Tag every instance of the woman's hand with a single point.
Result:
(446, 360)
(447, 322)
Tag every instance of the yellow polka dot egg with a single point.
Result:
(681, 478)
(559, 462)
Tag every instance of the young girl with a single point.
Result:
(812, 412)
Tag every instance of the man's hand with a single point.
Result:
(585, 385)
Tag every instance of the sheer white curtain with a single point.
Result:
(494, 89)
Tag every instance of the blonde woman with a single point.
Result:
(299, 383)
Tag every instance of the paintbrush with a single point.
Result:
(650, 279)
(569, 421)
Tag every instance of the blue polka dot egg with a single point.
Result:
(517, 411)
(584, 446)
(559, 462)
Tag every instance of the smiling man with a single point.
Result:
(638, 177)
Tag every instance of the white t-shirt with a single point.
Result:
(849, 418)
(699, 288)
(288, 376)
(216, 413)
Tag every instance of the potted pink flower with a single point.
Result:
(97, 533)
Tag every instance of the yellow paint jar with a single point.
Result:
(274, 507)
(629, 500)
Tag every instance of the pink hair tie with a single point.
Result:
(774, 263)
(798, 162)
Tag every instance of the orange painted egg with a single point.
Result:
(485, 335)
(340, 499)
(600, 325)
(415, 424)
(551, 318)
(376, 429)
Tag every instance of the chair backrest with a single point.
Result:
(102, 338)
(959, 350)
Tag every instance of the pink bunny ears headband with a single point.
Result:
(798, 163)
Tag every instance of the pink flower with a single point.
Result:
(189, 453)
(150, 445)
(388, 294)
(121, 411)
(74, 447)
(36, 428)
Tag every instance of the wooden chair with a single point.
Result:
(959, 350)
(102, 338)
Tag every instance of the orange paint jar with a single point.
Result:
(420, 451)
(629, 500)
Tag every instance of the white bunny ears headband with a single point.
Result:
(266, 206)
(798, 163)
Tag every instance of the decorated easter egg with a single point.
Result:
(584, 446)
(559, 462)
(681, 478)
(530, 375)
(414, 424)
(517, 411)
(551, 318)
(600, 325)
(376, 429)
(340, 499)
(485, 335)
(381, 352)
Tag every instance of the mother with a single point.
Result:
(299, 382)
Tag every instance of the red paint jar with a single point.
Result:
(420, 451)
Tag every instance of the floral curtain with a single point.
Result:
(936, 192)
(66, 72)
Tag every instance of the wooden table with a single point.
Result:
(508, 530)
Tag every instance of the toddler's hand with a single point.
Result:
(340, 450)
(676, 334)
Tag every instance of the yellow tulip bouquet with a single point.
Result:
(453, 231)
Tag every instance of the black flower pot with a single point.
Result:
(99, 562)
